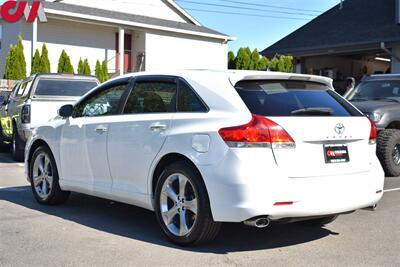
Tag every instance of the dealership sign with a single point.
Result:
(13, 11)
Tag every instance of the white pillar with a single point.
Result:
(395, 64)
(34, 38)
(121, 36)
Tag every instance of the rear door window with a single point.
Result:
(292, 98)
(152, 97)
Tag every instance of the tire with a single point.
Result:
(387, 144)
(16, 151)
(49, 193)
(3, 146)
(201, 227)
(319, 222)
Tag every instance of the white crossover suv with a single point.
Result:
(205, 147)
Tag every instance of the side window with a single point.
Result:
(188, 101)
(104, 103)
(152, 97)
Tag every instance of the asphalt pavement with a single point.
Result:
(88, 231)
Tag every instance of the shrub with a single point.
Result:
(64, 64)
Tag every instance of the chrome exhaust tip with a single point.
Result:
(258, 222)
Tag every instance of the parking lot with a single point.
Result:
(88, 231)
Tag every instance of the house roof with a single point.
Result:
(130, 19)
(360, 24)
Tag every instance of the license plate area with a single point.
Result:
(336, 153)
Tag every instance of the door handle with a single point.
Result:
(158, 127)
(101, 129)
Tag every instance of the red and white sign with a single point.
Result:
(13, 11)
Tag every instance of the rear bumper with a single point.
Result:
(240, 190)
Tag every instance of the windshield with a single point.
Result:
(292, 98)
(64, 87)
(376, 90)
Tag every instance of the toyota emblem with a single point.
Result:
(339, 128)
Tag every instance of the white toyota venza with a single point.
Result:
(205, 147)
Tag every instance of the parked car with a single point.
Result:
(36, 100)
(378, 96)
(205, 147)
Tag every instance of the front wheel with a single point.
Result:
(182, 206)
(43, 175)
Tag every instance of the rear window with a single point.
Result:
(292, 98)
(64, 87)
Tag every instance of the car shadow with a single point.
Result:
(140, 224)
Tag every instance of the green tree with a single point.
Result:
(35, 62)
(286, 64)
(9, 67)
(15, 66)
(246, 59)
(99, 72)
(80, 66)
(254, 60)
(104, 67)
(282, 64)
(64, 64)
(263, 63)
(239, 59)
(20, 63)
(86, 67)
(231, 60)
(44, 66)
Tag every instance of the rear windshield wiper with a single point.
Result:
(312, 111)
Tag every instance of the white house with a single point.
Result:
(154, 34)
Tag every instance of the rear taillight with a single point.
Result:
(26, 114)
(259, 132)
(372, 134)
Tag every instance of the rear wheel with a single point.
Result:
(319, 221)
(43, 175)
(388, 151)
(182, 206)
(16, 151)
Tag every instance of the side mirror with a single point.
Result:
(66, 111)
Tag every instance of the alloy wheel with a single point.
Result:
(396, 154)
(179, 204)
(42, 176)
